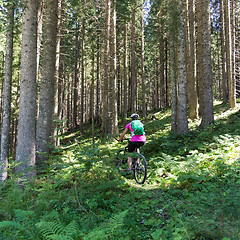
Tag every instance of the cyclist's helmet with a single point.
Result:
(134, 116)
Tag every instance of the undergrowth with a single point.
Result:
(192, 190)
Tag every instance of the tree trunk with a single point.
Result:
(144, 114)
(174, 90)
(133, 63)
(191, 58)
(205, 83)
(26, 141)
(161, 69)
(113, 73)
(125, 70)
(182, 121)
(7, 88)
(76, 79)
(105, 113)
(82, 77)
(98, 89)
(229, 48)
(46, 106)
(223, 51)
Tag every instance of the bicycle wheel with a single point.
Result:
(140, 169)
(121, 161)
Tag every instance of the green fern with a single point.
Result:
(55, 230)
(107, 229)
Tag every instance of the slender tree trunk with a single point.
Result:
(191, 58)
(76, 79)
(144, 114)
(7, 88)
(82, 77)
(113, 73)
(58, 109)
(98, 92)
(223, 51)
(174, 90)
(92, 91)
(46, 106)
(182, 121)
(26, 141)
(105, 114)
(205, 83)
(230, 58)
(133, 63)
(125, 70)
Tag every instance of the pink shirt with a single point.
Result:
(135, 138)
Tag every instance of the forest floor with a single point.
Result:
(192, 190)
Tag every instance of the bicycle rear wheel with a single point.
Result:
(140, 169)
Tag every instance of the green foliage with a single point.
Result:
(192, 189)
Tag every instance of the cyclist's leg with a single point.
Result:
(131, 148)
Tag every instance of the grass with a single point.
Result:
(192, 189)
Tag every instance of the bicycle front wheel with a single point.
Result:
(140, 169)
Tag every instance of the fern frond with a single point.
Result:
(8, 224)
(22, 215)
(103, 231)
(50, 228)
(52, 216)
(71, 228)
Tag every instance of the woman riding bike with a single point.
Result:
(138, 136)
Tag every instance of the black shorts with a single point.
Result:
(133, 145)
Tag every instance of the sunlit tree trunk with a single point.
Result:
(229, 55)
(76, 77)
(7, 87)
(125, 76)
(181, 79)
(191, 58)
(26, 141)
(105, 113)
(161, 69)
(143, 66)
(113, 72)
(59, 89)
(46, 106)
(204, 63)
(223, 52)
(133, 63)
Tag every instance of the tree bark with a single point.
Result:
(204, 45)
(191, 58)
(113, 73)
(223, 52)
(26, 141)
(76, 78)
(82, 77)
(105, 113)
(7, 88)
(47, 93)
(133, 63)
(125, 70)
(182, 121)
(144, 114)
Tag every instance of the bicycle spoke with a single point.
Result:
(140, 169)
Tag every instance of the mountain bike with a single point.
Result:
(139, 165)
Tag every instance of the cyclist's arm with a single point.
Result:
(122, 135)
